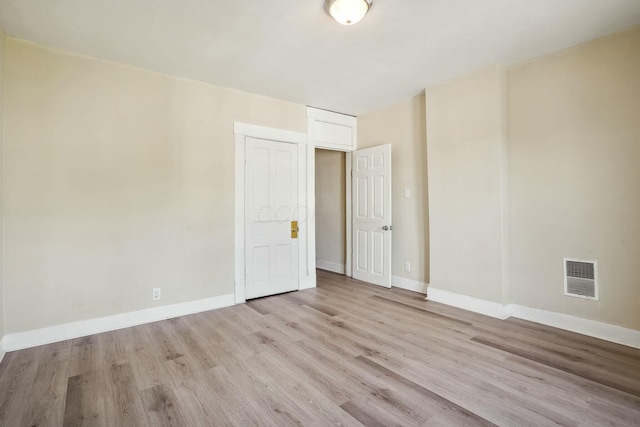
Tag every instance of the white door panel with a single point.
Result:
(271, 192)
(372, 215)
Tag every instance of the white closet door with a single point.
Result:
(371, 194)
(271, 207)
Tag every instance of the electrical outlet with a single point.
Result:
(156, 294)
(407, 267)
(407, 193)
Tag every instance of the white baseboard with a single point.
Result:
(21, 340)
(409, 284)
(330, 266)
(592, 328)
(477, 305)
(605, 331)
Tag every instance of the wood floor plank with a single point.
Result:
(397, 401)
(290, 328)
(345, 353)
(115, 347)
(148, 369)
(480, 372)
(369, 414)
(219, 382)
(76, 411)
(552, 340)
(192, 342)
(475, 395)
(105, 397)
(268, 400)
(199, 403)
(15, 385)
(421, 311)
(315, 403)
(608, 347)
(47, 396)
(323, 308)
(309, 371)
(448, 409)
(162, 407)
(379, 352)
(85, 354)
(178, 359)
(124, 402)
(608, 377)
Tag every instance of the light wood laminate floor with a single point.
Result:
(345, 353)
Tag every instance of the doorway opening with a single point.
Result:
(353, 228)
(331, 211)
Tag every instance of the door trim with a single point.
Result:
(348, 218)
(313, 115)
(241, 132)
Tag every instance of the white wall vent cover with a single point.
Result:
(581, 278)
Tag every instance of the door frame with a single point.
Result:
(307, 190)
(348, 205)
(347, 146)
(306, 236)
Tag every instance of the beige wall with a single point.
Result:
(466, 136)
(2, 321)
(575, 176)
(118, 180)
(330, 207)
(564, 182)
(403, 126)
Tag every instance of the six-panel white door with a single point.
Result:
(371, 192)
(271, 192)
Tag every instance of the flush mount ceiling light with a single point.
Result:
(347, 12)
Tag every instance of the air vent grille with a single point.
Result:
(580, 278)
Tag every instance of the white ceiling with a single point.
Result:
(292, 50)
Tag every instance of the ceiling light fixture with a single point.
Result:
(347, 12)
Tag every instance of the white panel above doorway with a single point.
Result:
(332, 131)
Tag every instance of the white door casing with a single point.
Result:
(306, 257)
(372, 226)
(330, 131)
